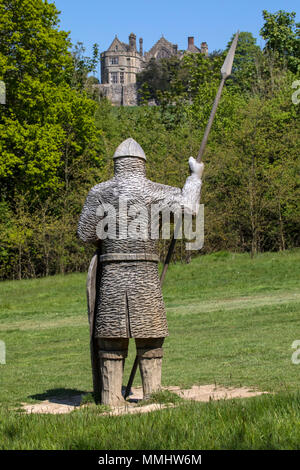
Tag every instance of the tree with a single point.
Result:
(83, 66)
(244, 64)
(251, 189)
(282, 35)
(157, 77)
(46, 127)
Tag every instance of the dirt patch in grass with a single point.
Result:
(203, 393)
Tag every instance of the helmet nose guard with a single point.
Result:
(129, 148)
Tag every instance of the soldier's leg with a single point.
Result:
(112, 353)
(150, 353)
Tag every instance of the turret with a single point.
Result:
(141, 46)
(132, 42)
(204, 48)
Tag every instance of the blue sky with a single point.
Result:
(213, 21)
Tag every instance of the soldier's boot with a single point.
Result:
(150, 363)
(111, 368)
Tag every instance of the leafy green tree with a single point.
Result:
(83, 66)
(157, 77)
(56, 142)
(244, 72)
(282, 35)
(251, 189)
(47, 128)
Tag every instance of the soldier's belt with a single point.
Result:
(129, 257)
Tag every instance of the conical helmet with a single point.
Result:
(130, 148)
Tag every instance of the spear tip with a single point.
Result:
(227, 66)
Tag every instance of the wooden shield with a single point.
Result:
(93, 272)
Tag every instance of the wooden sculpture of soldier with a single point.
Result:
(124, 294)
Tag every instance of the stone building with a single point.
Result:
(161, 49)
(194, 49)
(122, 62)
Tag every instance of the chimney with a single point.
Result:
(204, 48)
(141, 46)
(132, 42)
(190, 41)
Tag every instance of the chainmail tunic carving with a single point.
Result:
(129, 300)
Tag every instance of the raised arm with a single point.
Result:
(187, 198)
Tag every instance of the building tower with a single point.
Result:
(141, 46)
(132, 42)
(204, 48)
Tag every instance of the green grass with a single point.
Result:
(265, 422)
(232, 321)
(162, 397)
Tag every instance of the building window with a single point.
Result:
(121, 77)
(114, 60)
(114, 77)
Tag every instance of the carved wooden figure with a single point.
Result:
(124, 294)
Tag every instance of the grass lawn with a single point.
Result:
(232, 321)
